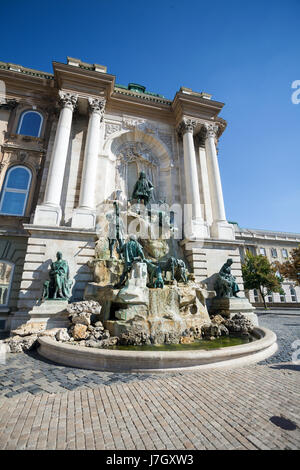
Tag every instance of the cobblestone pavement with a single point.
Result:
(287, 329)
(45, 406)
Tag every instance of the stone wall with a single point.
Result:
(205, 259)
(77, 247)
(13, 250)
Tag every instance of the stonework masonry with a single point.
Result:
(95, 137)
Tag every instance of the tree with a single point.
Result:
(258, 273)
(291, 268)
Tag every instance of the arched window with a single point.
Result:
(255, 293)
(6, 274)
(293, 294)
(30, 123)
(15, 191)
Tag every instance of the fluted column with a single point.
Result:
(220, 227)
(214, 173)
(49, 212)
(85, 216)
(60, 150)
(88, 181)
(190, 168)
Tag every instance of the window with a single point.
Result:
(6, 272)
(30, 124)
(255, 293)
(274, 252)
(284, 253)
(293, 294)
(270, 297)
(282, 297)
(262, 251)
(15, 191)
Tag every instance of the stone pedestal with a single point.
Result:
(222, 230)
(135, 290)
(47, 215)
(84, 218)
(230, 306)
(51, 312)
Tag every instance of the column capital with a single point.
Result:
(211, 129)
(67, 100)
(97, 105)
(187, 125)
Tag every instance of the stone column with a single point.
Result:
(49, 213)
(205, 186)
(190, 168)
(195, 227)
(220, 227)
(85, 216)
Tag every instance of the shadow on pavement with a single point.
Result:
(285, 366)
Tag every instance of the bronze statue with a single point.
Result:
(115, 230)
(131, 251)
(154, 272)
(59, 285)
(143, 189)
(226, 285)
(177, 268)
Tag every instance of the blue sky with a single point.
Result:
(244, 53)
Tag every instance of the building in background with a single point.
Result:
(73, 139)
(276, 246)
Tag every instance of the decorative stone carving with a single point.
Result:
(211, 130)
(97, 105)
(132, 123)
(4, 163)
(67, 99)
(187, 125)
(130, 151)
(111, 128)
(139, 153)
(137, 123)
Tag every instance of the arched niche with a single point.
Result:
(135, 151)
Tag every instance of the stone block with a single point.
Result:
(53, 312)
(47, 215)
(230, 306)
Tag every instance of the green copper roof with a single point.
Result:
(138, 89)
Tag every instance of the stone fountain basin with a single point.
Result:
(160, 361)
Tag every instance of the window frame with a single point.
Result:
(293, 294)
(10, 281)
(282, 296)
(255, 295)
(4, 189)
(274, 253)
(21, 118)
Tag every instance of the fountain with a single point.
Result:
(145, 311)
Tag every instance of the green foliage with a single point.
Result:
(291, 268)
(258, 273)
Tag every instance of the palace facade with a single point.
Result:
(73, 139)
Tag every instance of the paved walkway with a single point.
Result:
(44, 406)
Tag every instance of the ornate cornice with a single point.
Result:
(97, 105)
(67, 100)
